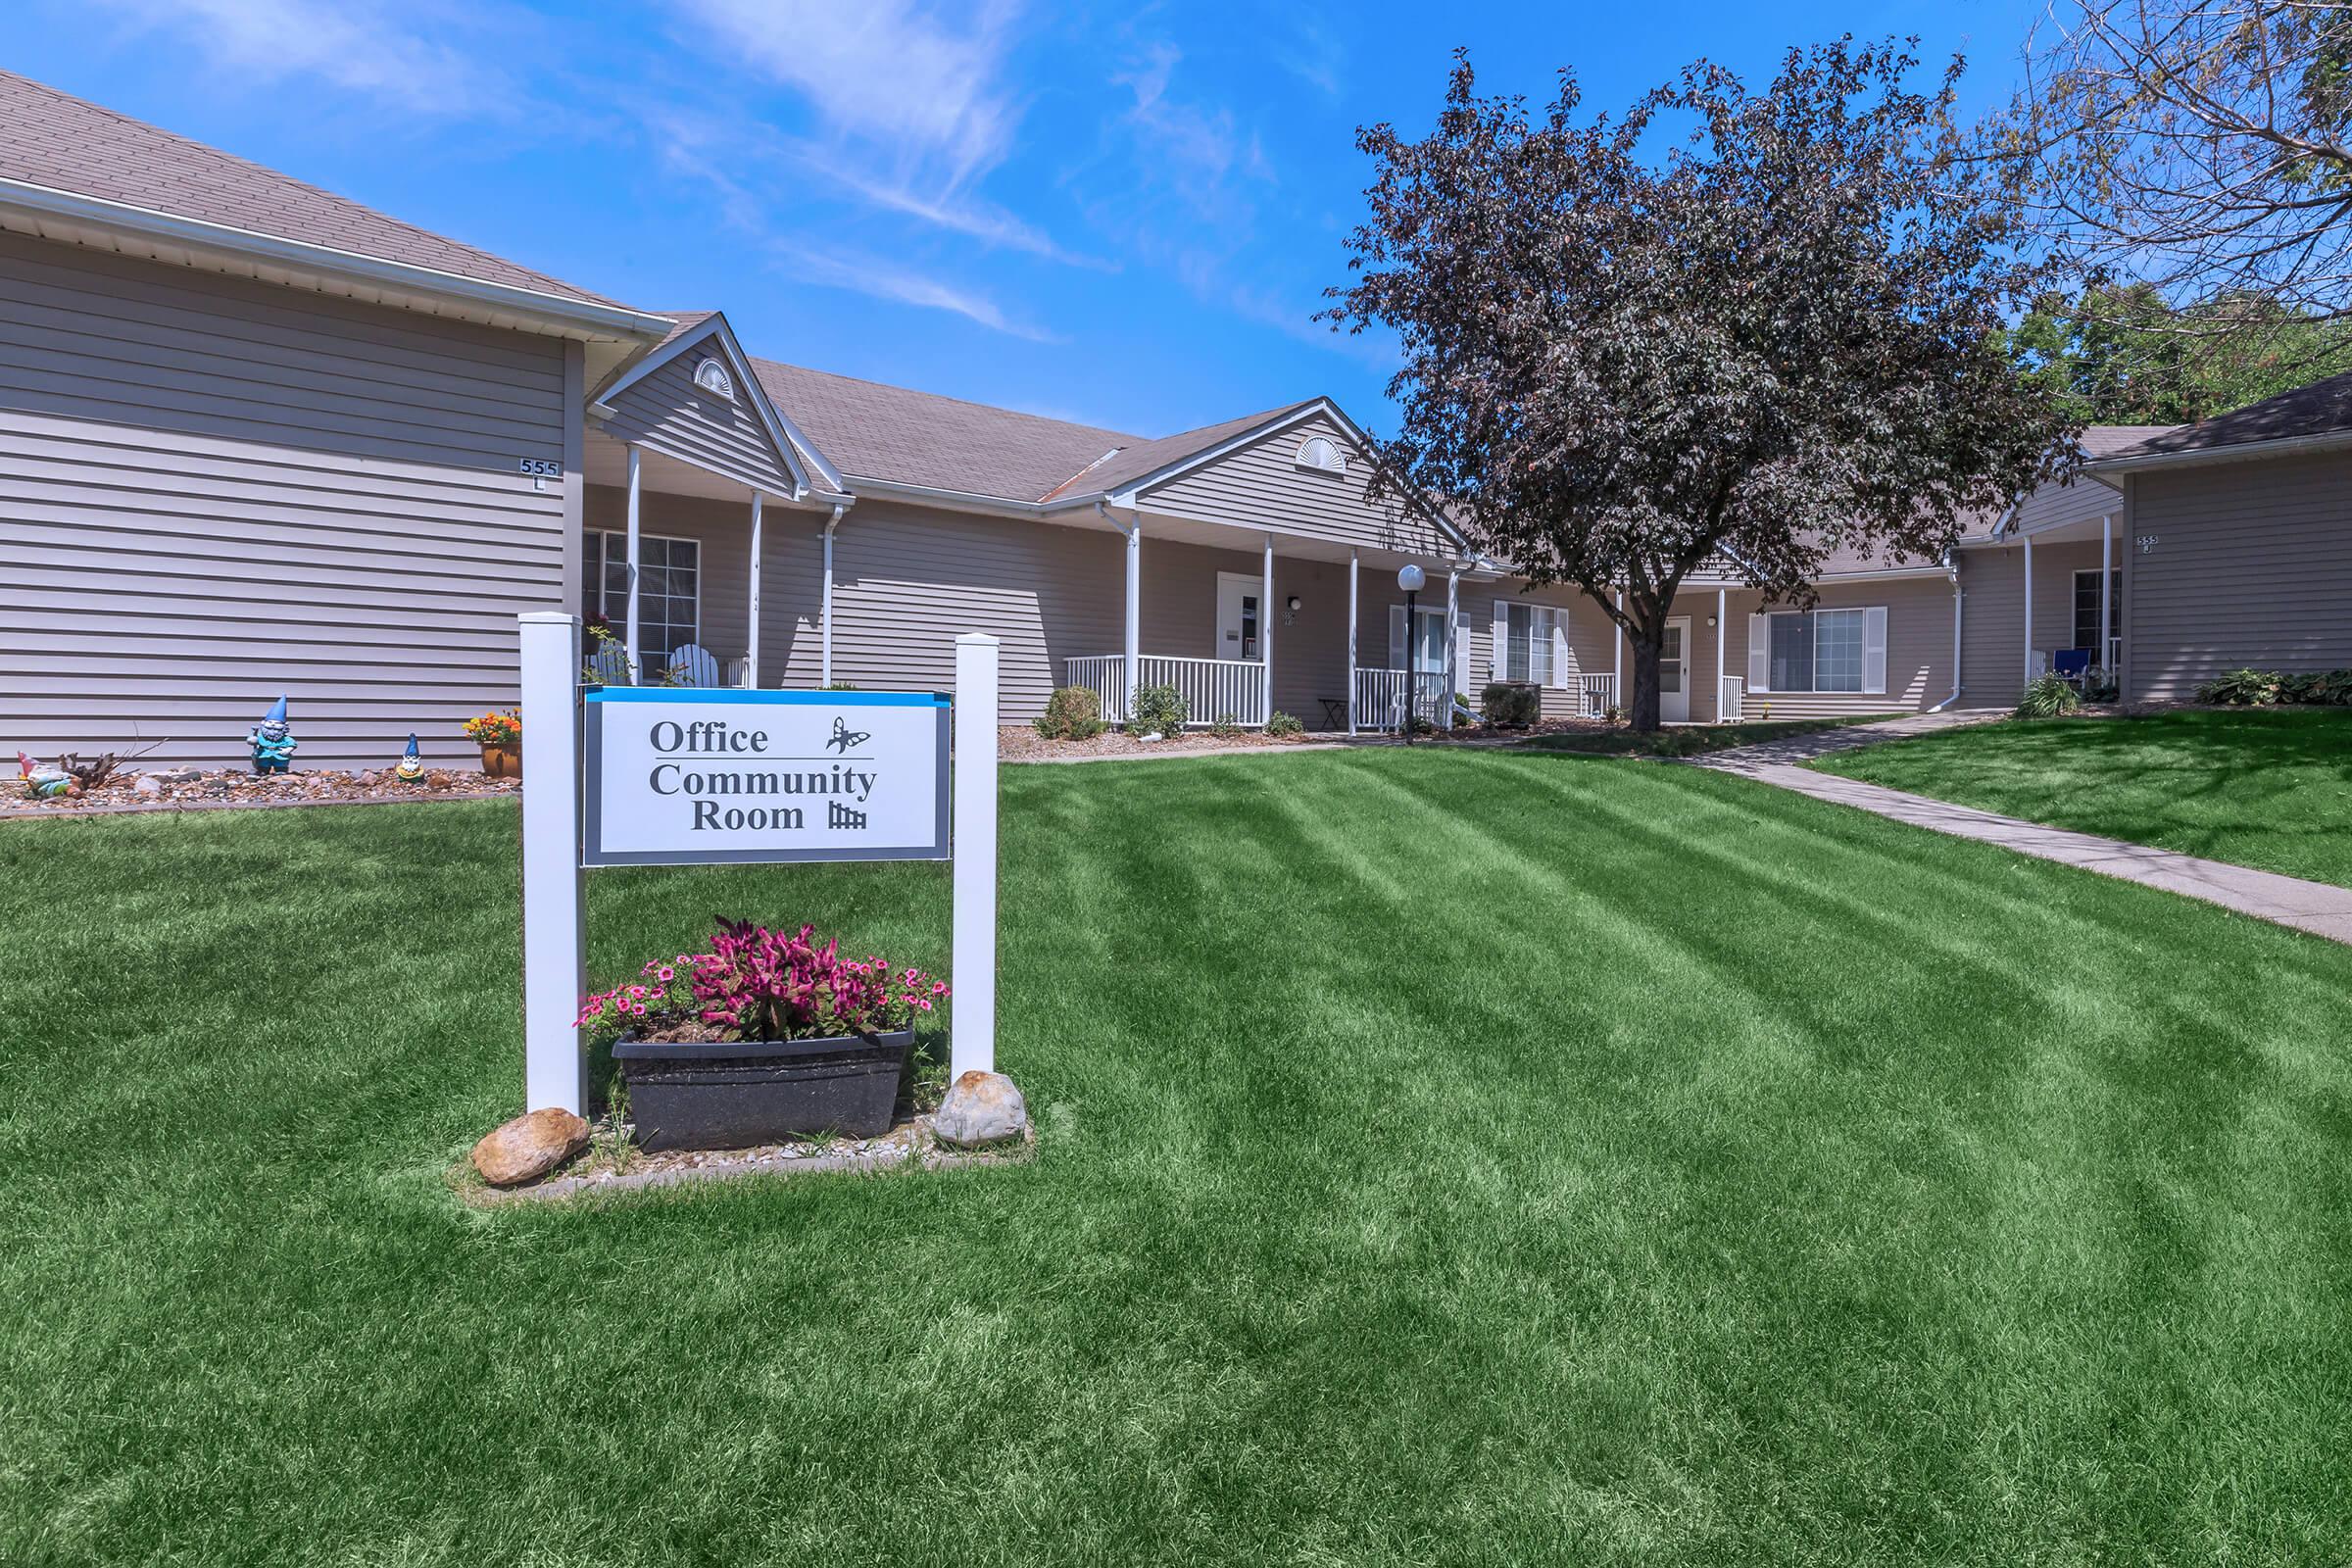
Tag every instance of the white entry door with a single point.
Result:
(1674, 672)
(1241, 602)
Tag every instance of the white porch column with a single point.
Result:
(2106, 581)
(1617, 656)
(636, 671)
(1265, 628)
(824, 608)
(1722, 619)
(1352, 596)
(1453, 651)
(1134, 640)
(2029, 606)
(751, 655)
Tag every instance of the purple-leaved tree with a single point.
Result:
(1777, 336)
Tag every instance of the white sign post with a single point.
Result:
(972, 1044)
(555, 926)
(657, 776)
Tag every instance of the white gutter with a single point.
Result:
(550, 311)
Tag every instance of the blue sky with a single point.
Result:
(1117, 216)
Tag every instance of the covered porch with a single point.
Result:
(1324, 631)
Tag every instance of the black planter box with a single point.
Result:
(734, 1094)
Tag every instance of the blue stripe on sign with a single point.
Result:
(732, 698)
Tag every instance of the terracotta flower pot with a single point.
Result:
(502, 761)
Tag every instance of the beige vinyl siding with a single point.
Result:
(667, 412)
(909, 580)
(1992, 654)
(2250, 566)
(1919, 649)
(2086, 499)
(214, 491)
(1259, 485)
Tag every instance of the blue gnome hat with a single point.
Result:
(276, 713)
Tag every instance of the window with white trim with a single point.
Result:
(2086, 610)
(1527, 642)
(1322, 452)
(669, 590)
(1815, 649)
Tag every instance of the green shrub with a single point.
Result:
(2100, 685)
(1282, 727)
(2299, 688)
(1511, 702)
(2242, 688)
(1158, 710)
(1225, 727)
(1072, 714)
(2333, 689)
(2048, 696)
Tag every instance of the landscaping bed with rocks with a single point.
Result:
(611, 1163)
(189, 788)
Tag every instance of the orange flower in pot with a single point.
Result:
(500, 736)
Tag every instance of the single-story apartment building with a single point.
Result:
(255, 439)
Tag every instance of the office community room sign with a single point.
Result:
(679, 777)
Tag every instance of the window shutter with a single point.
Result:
(1559, 647)
(1502, 639)
(1874, 649)
(1398, 649)
(1759, 653)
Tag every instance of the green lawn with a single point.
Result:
(1690, 740)
(1447, 1157)
(2269, 787)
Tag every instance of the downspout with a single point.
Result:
(1952, 563)
(824, 617)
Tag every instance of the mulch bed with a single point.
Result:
(195, 789)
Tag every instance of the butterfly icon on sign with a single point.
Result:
(844, 737)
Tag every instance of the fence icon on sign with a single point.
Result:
(840, 815)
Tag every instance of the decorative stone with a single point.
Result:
(529, 1147)
(147, 786)
(981, 1108)
(436, 779)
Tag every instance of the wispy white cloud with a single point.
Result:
(1313, 53)
(1196, 149)
(412, 56)
(732, 152)
(889, 72)
(878, 278)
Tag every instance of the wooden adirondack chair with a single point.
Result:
(693, 666)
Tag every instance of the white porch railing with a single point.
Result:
(1599, 694)
(1213, 689)
(1731, 694)
(1380, 696)
(1105, 676)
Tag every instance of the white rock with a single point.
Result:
(148, 785)
(981, 1108)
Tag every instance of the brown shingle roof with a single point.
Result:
(55, 140)
(2323, 408)
(891, 433)
(1143, 456)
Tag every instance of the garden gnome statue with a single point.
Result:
(273, 741)
(42, 780)
(411, 767)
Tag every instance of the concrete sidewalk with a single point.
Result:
(2319, 908)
